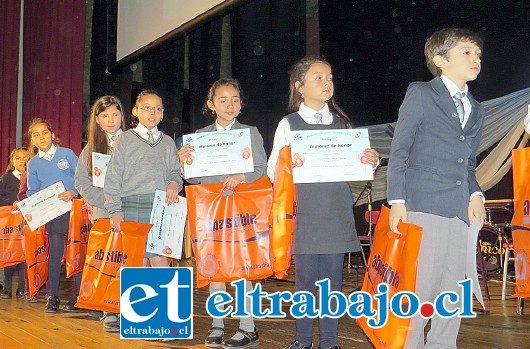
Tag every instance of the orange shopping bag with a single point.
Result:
(36, 243)
(393, 259)
(77, 242)
(11, 238)
(230, 234)
(283, 214)
(107, 252)
(521, 221)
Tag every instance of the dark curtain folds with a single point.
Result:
(267, 38)
(53, 66)
(9, 40)
(163, 71)
(204, 67)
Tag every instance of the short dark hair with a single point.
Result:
(439, 44)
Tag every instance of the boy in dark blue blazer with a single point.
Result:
(431, 174)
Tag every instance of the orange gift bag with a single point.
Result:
(77, 241)
(36, 244)
(107, 252)
(283, 214)
(230, 233)
(11, 238)
(521, 221)
(393, 259)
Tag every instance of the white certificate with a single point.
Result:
(167, 234)
(45, 205)
(100, 162)
(219, 153)
(330, 156)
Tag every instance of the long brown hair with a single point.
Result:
(32, 148)
(298, 73)
(97, 138)
(10, 166)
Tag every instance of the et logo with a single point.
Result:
(156, 303)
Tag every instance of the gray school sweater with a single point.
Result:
(324, 221)
(139, 167)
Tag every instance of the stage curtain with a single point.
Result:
(9, 39)
(54, 42)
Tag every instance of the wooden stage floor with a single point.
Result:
(24, 325)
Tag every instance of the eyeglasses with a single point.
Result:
(149, 108)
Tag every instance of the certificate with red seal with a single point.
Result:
(218, 153)
(330, 156)
(100, 162)
(167, 234)
(45, 205)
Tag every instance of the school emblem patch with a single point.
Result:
(63, 164)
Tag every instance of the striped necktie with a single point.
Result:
(459, 106)
(151, 139)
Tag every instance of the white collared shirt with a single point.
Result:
(116, 134)
(142, 131)
(16, 173)
(282, 137)
(48, 155)
(453, 89)
(221, 128)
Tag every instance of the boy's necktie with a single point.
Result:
(151, 139)
(459, 105)
(319, 116)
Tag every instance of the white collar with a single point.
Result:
(48, 155)
(308, 114)
(110, 135)
(451, 86)
(142, 131)
(16, 173)
(221, 128)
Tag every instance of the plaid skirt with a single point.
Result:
(137, 208)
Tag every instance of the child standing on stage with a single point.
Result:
(224, 101)
(431, 173)
(143, 160)
(50, 165)
(320, 242)
(9, 186)
(104, 127)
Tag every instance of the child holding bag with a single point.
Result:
(224, 101)
(9, 186)
(319, 245)
(143, 160)
(50, 165)
(106, 119)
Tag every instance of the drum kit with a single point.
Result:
(494, 236)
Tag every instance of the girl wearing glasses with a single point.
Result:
(143, 160)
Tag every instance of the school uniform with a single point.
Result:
(138, 167)
(325, 228)
(432, 170)
(259, 159)
(45, 169)
(9, 186)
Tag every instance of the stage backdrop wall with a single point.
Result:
(53, 67)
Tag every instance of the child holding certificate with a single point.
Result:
(50, 165)
(9, 186)
(325, 228)
(143, 160)
(224, 102)
(104, 127)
